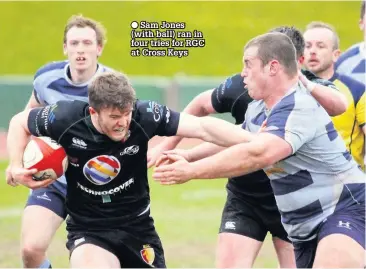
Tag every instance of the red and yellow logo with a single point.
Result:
(148, 254)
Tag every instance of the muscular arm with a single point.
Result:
(209, 129)
(202, 151)
(243, 158)
(283, 135)
(237, 160)
(334, 102)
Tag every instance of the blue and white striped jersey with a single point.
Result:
(352, 63)
(320, 177)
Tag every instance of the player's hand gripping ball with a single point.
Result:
(47, 156)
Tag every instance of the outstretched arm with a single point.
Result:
(209, 129)
(237, 160)
(332, 100)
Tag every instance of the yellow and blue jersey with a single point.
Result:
(349, 124)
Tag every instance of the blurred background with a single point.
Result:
(187, 217)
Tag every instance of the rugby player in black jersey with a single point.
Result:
(108, 200)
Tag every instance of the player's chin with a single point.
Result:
(117, 136)
(82, 65)
(252, 94)
(312, 66)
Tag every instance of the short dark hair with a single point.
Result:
(111, 89)
(362, 10)
(276, 46)
(295, 35)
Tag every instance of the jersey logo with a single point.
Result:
(132, 150)
(155, 109)
(48, 115)
(78, 143)
(346, 225)
(230, 225)
(228, 83)
(148, 254)
(102, 169)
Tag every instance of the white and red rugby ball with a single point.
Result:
(47, 156)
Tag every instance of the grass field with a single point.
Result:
(186, 216)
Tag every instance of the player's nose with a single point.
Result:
(80, 48)
(312, 50)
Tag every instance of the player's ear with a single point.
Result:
(92, 110)
(274, 66)
(99, 50)
(336, 54)
(65, 49)
(361, 24)
(301, 60)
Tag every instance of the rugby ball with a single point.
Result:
(47, 156)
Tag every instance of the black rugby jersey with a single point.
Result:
(107, 182)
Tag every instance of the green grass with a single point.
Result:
(186, 216)
(32, 31)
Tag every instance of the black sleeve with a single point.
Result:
(157, 119)
(50, 120)
(226, 94)
(231, 96)
(313, 78)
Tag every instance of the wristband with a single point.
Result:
(310, 86)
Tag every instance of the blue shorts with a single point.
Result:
(53, 197)
(350, 222)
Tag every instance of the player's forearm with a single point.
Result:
(17, 140)
(202, 151)
(223, 133)
(334, 102)
(234, 161)
(169, 143)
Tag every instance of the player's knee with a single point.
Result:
(225, 261)
(90, 255)
(224, 256)
(233, 260)
(230, 249)
(285, 253)
(33, 251)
